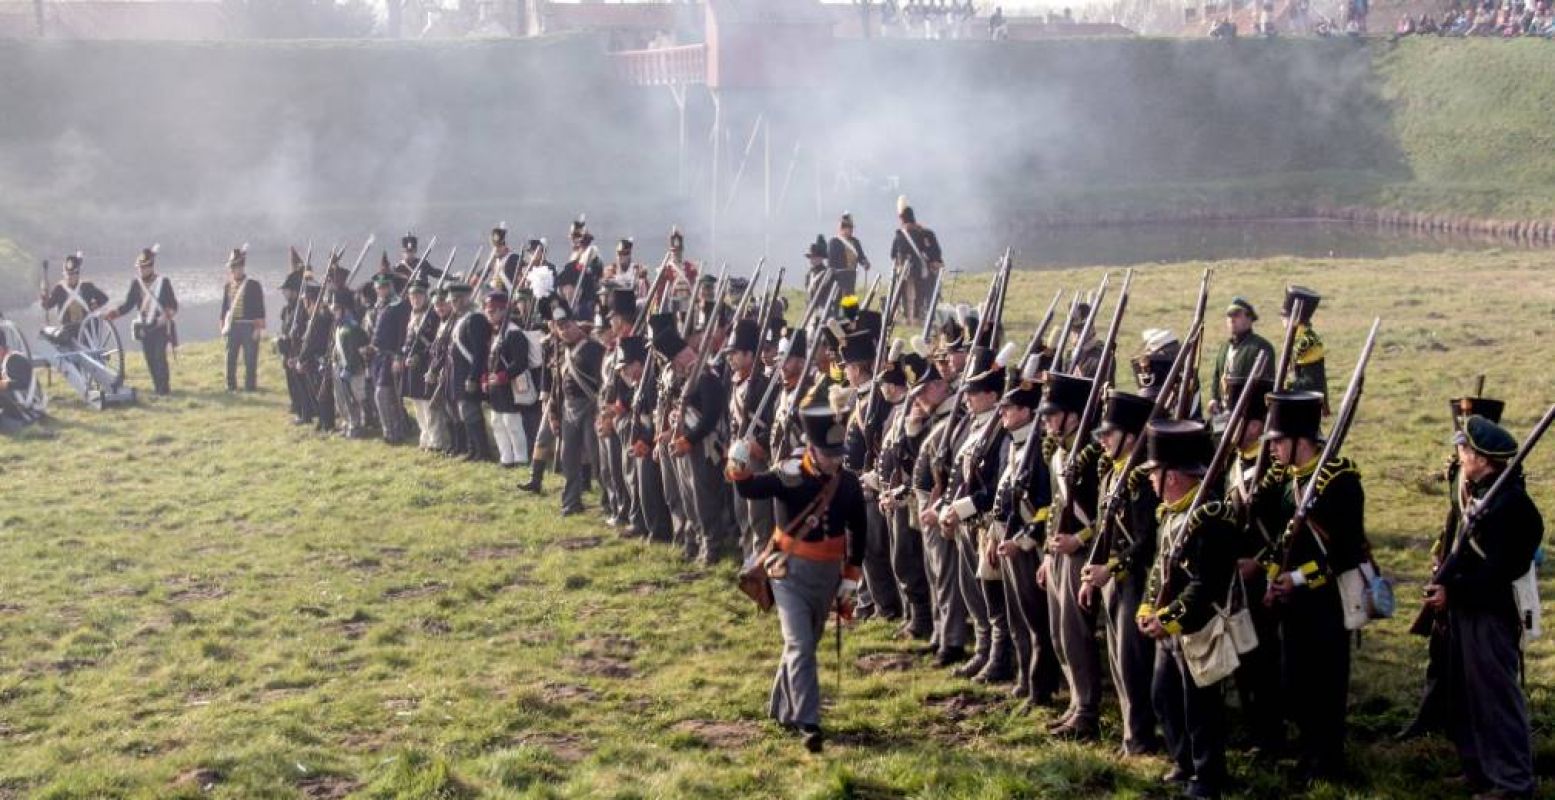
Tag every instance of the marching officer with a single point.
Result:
(155, 304)
(813, 561)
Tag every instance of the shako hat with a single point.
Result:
(1294, 415)
(1181, 445)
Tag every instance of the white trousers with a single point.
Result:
(508, 430)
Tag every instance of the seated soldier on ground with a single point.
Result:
(19, 405)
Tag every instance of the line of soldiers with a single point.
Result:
(1015, 511)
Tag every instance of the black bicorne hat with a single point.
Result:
(73, 261)
(499, 234)
(147, 256)
(578, 226)
(1125, 412)
(1480, 406)
(1309, 300)
(409, 242)
(1294, 415)
(666, 340)
(633, 349)
(1181, 445)
(817, 247)
(1026, 394)
(624, 246)
(1065, 392)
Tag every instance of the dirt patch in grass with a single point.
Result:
(198, 591)
(435, 626)
(567, 747)
(961, 706)
(600, 666)
(202, 778)
(327, 787)
(721, 734)
(411, 592)
(494, 552)
(580, 542)
(874, 663)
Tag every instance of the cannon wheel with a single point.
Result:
(15, 340)
(100, 338)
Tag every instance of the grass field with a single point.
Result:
(197, 599)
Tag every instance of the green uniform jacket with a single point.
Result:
(1236, 359)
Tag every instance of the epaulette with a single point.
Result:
(1087, 457)
(1275, 475)
(790, 472)
(1308, 346)
(1211, 511)
(1104, 465)
(1334, 469)
(1138, 478)
(1049, 447)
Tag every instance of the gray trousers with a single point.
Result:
(912, 582)
(391, 411)
(1074, 637)
(1488, 712)
(753, 517)
(879, 577)
(669, 483)
(970, 587)
(804, 599)
(1026, 604)
(575, 454)
(706, 493)
(651, 508)
(950, 611)
(349, 395)
(613, 478)
(1131, 655)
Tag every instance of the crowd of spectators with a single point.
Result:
(1504, 18)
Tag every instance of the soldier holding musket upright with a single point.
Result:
(748, 382)
(930, 430)
(1070, 530)
(893, 461)
(1191, 572)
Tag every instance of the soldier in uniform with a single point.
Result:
(916, 254)
(926, 428)
(1308, 372)
(470, 345)
(155, 304)
(1431, 716)
(576, 390)
(890, 463)
(845, 255)
(818, 280)
(1474, 590)
(1022, 503)
(655, 521)
(1303, 578)
(390, 319)
(72, 297)
(1119, 561)
(621, 306)
(411, 264)
(442, 411)
(505, 264)
(1070, 530)
(1088, 360)
(972, 484)
(748, 383)
(288, 342)
(1191, 569)
(507, 362)
(312, 359)
(1258, 678)
(863, 434)
(242, 320)
(19, 401)
(349, 366)
(696, 441)
(412, 363)
(1237, 355)
(813, 561)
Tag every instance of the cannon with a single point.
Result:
(90, 357)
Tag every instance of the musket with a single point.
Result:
(887, 322)
(1094, 398)
(869, 296)
(705, 346)
(1042, 327)
(1089, 327)
(810, 319)
(985, 323)
(1108, 507)
(1064, 333)
(1213, 476)
(1185, 397)
(689, 324)
(1331, 448)
(421, 261)
(307, 333)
